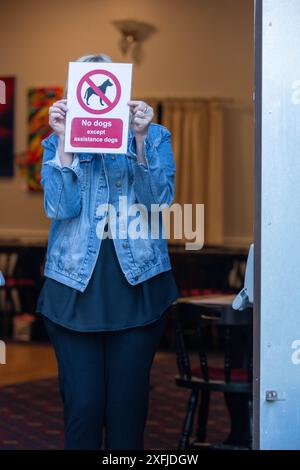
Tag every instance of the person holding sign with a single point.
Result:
(107, 290)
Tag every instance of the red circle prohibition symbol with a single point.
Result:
(96, 90)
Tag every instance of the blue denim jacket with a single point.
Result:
(73, 194)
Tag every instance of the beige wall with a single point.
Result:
(201, 48)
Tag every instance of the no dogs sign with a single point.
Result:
(97, 119)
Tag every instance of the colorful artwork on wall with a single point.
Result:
(39, 101)
(7, 103)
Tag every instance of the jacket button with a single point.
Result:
(125, 245)
(136, 278)
(118, 183)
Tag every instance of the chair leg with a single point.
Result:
(188, 422)
(7, 303)
(203, 416)
(250, 411)
(240, 423)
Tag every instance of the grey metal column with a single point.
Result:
(277, 226)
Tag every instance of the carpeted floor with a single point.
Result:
(31, 412)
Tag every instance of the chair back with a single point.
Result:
(8, 263)
(234, 330)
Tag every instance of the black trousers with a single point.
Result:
(104, 381)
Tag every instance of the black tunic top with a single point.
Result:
(109, 302)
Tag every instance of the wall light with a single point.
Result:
(133, 34)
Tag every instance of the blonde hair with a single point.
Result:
(94, 58)
(90, 58)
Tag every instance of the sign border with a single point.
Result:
(113, 104)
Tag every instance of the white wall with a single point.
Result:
(201, 48)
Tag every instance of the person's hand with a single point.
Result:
(141, 115)
(57, 117)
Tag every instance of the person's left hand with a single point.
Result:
(141, 115)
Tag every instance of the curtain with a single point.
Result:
(196, 126)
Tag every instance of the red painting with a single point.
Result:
(7, 99)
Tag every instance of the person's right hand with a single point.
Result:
(57, 117)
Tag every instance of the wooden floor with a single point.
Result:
(27, 362)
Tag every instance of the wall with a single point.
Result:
(201, 48)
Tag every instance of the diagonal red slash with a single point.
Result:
(98, 92)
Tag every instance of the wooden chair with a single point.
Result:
(193, 317)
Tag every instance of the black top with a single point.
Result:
(109, 302)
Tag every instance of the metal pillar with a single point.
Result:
(277, 225)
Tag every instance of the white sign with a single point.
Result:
(97, 119)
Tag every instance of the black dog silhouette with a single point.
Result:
(89, 91)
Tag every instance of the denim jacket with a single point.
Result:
(73, 196)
